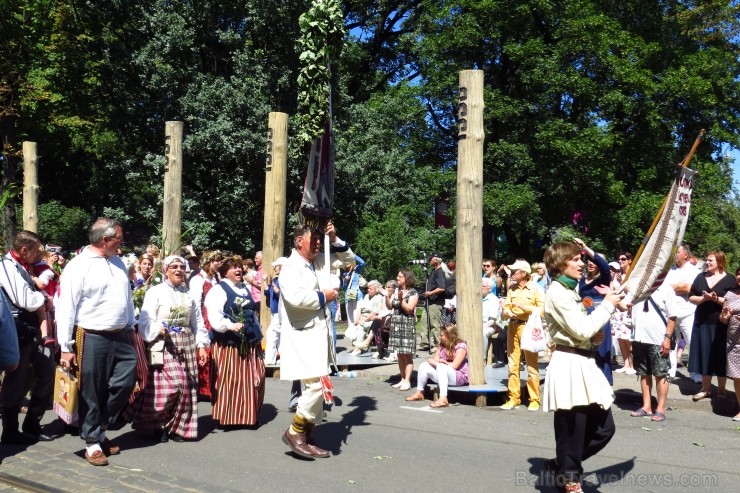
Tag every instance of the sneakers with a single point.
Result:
(356, 352)
(391, 358)
(533, 406)
(375, 355)
(510, 405)
(404, 386)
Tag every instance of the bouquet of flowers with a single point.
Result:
(176, 319)
(251, 332)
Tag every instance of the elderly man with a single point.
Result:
(95, 299)
(680, 278)
(306, 346)
(28, 307)
(653, 323)
(369, 316)
(522, 299)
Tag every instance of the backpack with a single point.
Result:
(450, 286)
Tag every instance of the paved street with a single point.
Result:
(381, 443)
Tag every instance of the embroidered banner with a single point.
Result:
(648, 273)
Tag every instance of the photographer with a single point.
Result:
(435, 296)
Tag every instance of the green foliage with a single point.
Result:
(61, 225)
(322, 30)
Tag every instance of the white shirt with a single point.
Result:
(18, 286)
(196, 286)
(157, 308)
(648, 326)
(215, 301)
(491, 307)
(94, 294)
(683, 275)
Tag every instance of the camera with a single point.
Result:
(421, 261)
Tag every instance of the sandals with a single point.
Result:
(439, 403)
(641, 413)
(658, 416)
(417, 396)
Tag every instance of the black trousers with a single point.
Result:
(108, 376)
(580, 433)
(44, 365)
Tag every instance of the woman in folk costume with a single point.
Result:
(168, 405)
(576, 389)
(238, 362)
(200, 284)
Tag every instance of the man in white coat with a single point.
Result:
(306, 346)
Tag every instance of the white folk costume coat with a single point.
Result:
(306, 347)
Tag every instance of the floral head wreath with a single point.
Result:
(210, 256)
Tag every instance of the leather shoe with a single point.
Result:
(46, 438)
(110, 448)
(316, 450)
(97, 458)
(165, 437)
(298, 445)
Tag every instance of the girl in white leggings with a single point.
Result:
(448, 367)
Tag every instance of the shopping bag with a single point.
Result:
(65, 396)
(534, 337)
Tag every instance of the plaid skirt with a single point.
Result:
(170, 401)
(238, 385)
(402, 337)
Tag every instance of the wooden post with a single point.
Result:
(470, 220)
(30, 187)
(172, 202)
(276, 172)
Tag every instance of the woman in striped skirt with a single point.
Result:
(238, 361)
(172, 325)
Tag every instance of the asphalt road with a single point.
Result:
(380, 442)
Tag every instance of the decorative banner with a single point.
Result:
(318, 189)
(657, 257)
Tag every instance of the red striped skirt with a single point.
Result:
(239, 385)
(170, 399)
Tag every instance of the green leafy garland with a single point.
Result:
(322, 30)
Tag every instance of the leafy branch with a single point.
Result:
(322, 30)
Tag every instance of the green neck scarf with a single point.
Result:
(566, 281)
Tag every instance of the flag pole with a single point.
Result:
(684, 163)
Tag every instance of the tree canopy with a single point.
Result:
(589, 106)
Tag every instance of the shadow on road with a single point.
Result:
(332, 435)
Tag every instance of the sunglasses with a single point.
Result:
(623, 259)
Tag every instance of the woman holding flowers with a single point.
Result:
(171, 323)
(238, 369)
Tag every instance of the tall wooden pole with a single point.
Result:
(470, 220)
(276, 172)
(30, 187)
(172, 214)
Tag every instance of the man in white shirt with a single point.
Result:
(654, 322)
(28, 307)
(680, 278)
(95, 299)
